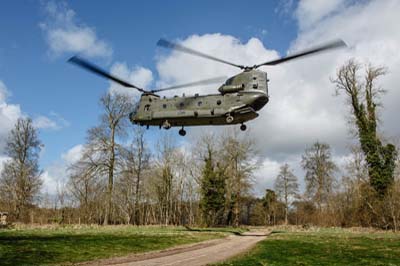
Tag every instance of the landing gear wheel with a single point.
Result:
(166, 125)
(243, 127)
(182, 132)
(229, 119)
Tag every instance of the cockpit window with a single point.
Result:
(229, 81)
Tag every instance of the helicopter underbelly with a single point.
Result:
(199, 118)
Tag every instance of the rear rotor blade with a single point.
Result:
(192, 84)
(170, 45)
(328, 46)
(97, 70)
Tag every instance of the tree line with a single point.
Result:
(121, 179)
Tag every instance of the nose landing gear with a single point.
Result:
(182, 132)
(229, 118)
(243, 127)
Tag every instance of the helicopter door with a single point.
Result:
(147, 111)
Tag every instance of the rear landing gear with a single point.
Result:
(166, 125)
(182, 132)
(243, 127)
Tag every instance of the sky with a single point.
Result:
(38, 37)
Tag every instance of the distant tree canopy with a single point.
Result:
(363, 98)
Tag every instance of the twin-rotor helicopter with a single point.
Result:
(238, 99)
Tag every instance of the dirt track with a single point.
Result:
(195, 255)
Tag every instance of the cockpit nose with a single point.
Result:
(132, 115)
(259, 101)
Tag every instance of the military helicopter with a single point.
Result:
(238, 100)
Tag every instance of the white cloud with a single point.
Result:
(65, 34)
(310, 12)
(284, 7)
(139, 76)
(4, 93)
(56, 122)
(178, 68)
(3, 159)
(265, 176)
(73, 154)
(56, 173)
(49, 181)
(43, 122)
(9, 113)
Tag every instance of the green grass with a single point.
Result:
(326, 247)
(68, 245)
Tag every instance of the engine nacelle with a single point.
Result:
(230, 88)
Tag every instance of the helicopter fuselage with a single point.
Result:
(239, 100)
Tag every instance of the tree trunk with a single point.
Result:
(110, 177)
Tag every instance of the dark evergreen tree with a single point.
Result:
(212, 192)
(270, 203)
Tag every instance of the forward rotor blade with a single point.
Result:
(328, 46)
(193, 84)
(97, 70)
(170, 45)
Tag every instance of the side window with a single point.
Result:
(219, 102)
(147, 107)
(164, 106)
(199, 103)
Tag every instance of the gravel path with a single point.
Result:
(203, 255)
(197, 254)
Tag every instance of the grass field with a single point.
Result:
(60, 246)
(324, 247)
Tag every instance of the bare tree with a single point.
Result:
(20, 180)
(237, 160)
(86, 187)
(165, 177)
(320, 169)
(136, 160)
(393, 204)
(102, 153)
(353, 183)
(286, 187)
